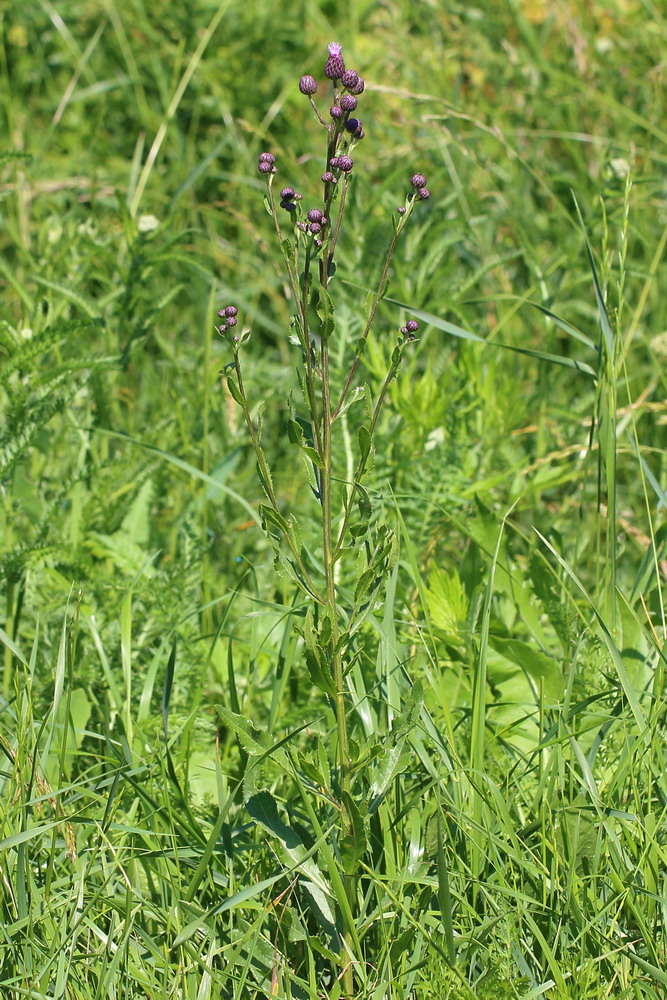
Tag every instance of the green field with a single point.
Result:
(236, 760)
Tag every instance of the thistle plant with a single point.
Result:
(352, 533)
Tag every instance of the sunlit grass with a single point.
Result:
(513, 676)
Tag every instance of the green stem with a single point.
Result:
(376, 302)
(266, 477)
(361, 467)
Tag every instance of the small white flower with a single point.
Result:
(147, 223)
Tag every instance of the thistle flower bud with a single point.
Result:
(418, 180)
(232, 321)
(308, 85)
(334, 161)
(266, 158)
(315, 227)
(222, 328)
(412, 326)
(334, 67)
(289, 206)
(353, 125)
(348, 102)
(287, 194)
(358, 87)
(303, 226)
(401, 209)
(404, 330)
(315, 215)
(336, 112)
(324, 221)
(231, 311)
(424, 193)
(345, 163)
(319, 244)
(328, 177)
(265, 167)
(349, 78)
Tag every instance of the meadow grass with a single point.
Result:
(168, 805)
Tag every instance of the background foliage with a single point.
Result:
(511, 689)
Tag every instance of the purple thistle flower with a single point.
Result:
(412, 326)
(308, 85)
(289, 206)
(222, 328)
(358, 88)
(265, 167)
(334, 67)
(348, 102)
(334, 161)
(266, 158)
(315, 215)
(232, 321)
(324, 221)
(401, 209)
(315, 227)
(328, 177)
(287, 194)
(404, 330)
(336, 112)
(424, 193)
(349, 78)
(353, 125)
(418, 180)
(345, 163)
(231, 311)
(303, 226)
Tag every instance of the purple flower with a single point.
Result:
(266, 158)
(324, 221)
(348, 102)
(315, 227)
(401, 209)
(231, 311)
(349, 78)
(265, 167)
(336, 112)
(315, 215)
(334, 67)
(424, 193)
(412, 326)
(232, 321)
(287, 194)
(358, 88)
(418, 180)
(353, 125)
(328, 177)
(308, 85)
(289, 206)
(303, 226)
(345, 163)
(222, 328)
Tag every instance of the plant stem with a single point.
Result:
(376, 302)
(268, 483)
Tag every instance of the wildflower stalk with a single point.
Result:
(315, 238)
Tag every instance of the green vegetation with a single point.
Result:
(171, 816)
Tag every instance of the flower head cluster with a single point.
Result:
(228, 315)
(265, 163)
(344, 104)
(418, 181)
(410, 329)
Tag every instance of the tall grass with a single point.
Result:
(507, 702)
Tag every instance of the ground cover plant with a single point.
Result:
(242, 762)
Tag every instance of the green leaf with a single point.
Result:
(354, 844)
(364, 443)
(316, 660)
(234, 391)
